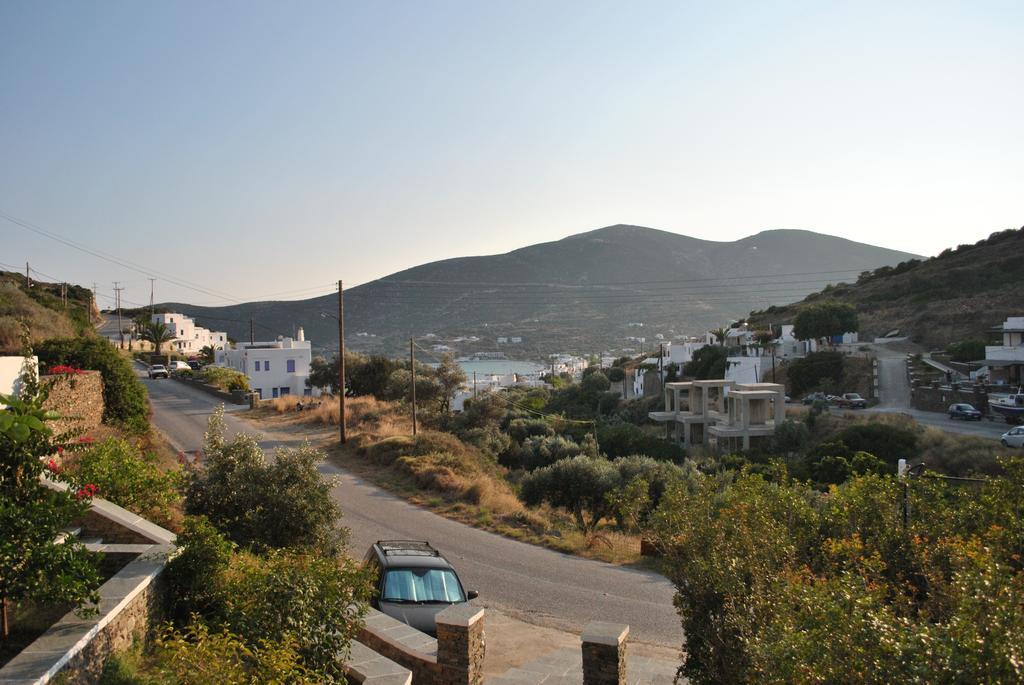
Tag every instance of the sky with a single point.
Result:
(245, 150)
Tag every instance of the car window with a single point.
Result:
(421, 585)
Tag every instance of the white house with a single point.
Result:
(1005, 363)
(274, 369)
(188, 337)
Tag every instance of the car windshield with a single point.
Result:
(421, 585)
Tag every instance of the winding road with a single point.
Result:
(531, 583)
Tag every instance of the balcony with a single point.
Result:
(1004, 353)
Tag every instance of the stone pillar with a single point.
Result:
(460, 645)
(604, 653)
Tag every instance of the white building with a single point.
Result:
(274, 369)
(1005, 363)
(188, 337)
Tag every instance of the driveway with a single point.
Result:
(527, 582)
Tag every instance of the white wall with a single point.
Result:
(10, 373)
(190, 338)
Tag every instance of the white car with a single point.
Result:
(1013, 437)
(178, 366)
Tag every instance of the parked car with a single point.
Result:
(1013, 437)
(178, 365)
(158, 371)
(413, 582)
(195, 364)
(964, 411)
(815, 397)
(852, 400)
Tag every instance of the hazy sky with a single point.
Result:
(265, 147)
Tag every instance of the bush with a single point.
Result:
(781, 584)
(124, 396)
(543, 451)
(622, 439)
(888, 442)
(521, 429)
(319, 600)
(261, 504)
(581, 485)
(816, 370)
(194, 574)
(224, 378)
(199, 656)
(127, 477)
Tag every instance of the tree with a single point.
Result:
(208, 354)
(967, 350)
(450, 377)
(817, 370)
(708, 362)
(157, 333)
(580, 484)
(262, 504)
(36, 563)
(825, 320)
(323, 374)
(720, 334)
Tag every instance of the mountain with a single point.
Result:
(583, 293)
(960, 294)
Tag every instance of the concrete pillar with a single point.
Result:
(604, 653)
(460, 645)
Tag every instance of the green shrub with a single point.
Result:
(521, 429)
(259, 503)
(545, 450)
(777, 583)
(127, 477)
(579, 484)
(817, 370)
(622, 439)
(124, 396)
(319, 600)
(200, 656)
(224, 378)
(888, 442)
(194, 575)
(708, 362)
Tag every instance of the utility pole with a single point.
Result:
(252, 332)
(412, 368)
(28, 278)
(64, 295)
(341, 362)
(474, 385)
(117, 300)
(151, 281)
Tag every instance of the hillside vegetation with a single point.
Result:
(41, 308)
(578, 294)
(960, 294)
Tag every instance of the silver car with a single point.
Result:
(1013, 437)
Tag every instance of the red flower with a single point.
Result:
(53, 466)
(86, 440)
(60, 451)
(87, 491)
(65, 369)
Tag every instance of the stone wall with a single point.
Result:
(234, 397)
(937, 397)
(78, 398)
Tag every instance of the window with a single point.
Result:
(259, 391)
(266, 365)
(290, 366)
(286, 391)
(257, 364)
(421, 585)
(275, 392)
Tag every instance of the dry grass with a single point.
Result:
(44, 323)
(437, 470)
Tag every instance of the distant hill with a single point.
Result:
(960, 294)
(42, 308)
(579, 294)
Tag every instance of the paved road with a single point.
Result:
(528, 582)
